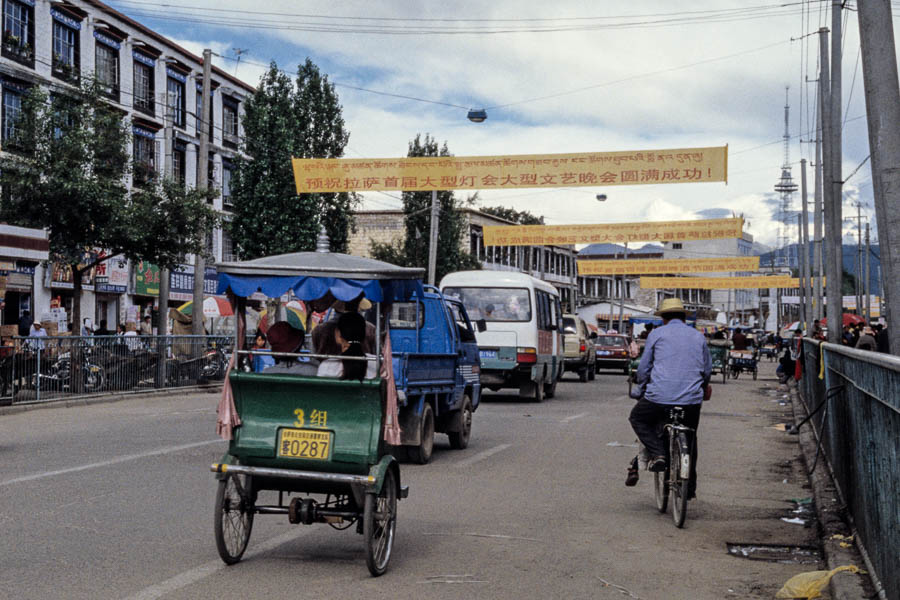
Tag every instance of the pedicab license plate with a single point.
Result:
(304, 443)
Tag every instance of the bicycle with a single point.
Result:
(675, 480)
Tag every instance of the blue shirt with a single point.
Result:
(675, 364)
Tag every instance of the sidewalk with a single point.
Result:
(755, 501)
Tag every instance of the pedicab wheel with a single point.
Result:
(459, 439)
(421, 454)
(234, 519)
(754, 374)
(678, 486)
(379, 525)
(661, 490)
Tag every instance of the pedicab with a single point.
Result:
(318, 442)
(718, 353)
(740, 361)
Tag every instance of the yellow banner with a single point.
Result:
(685, 165)
(720, 283)
(668, 265)
(653, 231)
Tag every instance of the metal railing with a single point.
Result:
(858, 430)
(40, 369)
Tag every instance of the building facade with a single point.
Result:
(553, 264)
(152, 80)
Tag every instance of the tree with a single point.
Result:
(510, 214)
(283, 120)
(412, 250)
(67, 174)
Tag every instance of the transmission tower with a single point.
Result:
(785, 188)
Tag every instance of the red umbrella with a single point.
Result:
(848, 318)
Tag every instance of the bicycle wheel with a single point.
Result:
(678, 485)
(234, 519)
(379, 524)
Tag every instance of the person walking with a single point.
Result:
(25, 322)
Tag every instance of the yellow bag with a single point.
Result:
(811, 584)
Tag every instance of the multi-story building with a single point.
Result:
(553, 264)
(743, 304)
(55, 43)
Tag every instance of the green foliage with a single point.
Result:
(412, 250)
(66, 174)
(522, 217)
(285, 119)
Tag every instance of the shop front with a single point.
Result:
(21, 250)
(181, 289)
(110, 283)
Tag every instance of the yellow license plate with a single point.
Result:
(304, 443)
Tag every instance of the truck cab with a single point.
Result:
(437, 371)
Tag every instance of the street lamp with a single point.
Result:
(477, 115)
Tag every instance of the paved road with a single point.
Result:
(116, 501)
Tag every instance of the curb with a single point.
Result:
(829, 511)
(105, 398)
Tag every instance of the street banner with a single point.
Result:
(652, 231)
(668, 265)
(426, 173)
(720, 283)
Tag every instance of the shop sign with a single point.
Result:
(60, 277)
(181, 282)
(111, 275)
(146, 279)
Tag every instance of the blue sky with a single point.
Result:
(620, 76)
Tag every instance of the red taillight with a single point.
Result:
(526, 355)
(581, 348)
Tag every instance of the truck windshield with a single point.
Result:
(569, 325)
(493, 304)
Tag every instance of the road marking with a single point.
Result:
(573, 417)
(199, 573)
(112, 461)
(482, 455)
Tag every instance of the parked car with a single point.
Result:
(579, 347)
(612, 352)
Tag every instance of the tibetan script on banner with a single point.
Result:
(686, 165)
(658, 231)
(668, 265)
(720, 283)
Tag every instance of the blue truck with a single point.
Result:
(437, 371)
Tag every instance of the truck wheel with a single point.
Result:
(550, 389)
(459, 439)
(583, 374)
(538, 391)
(421, 454)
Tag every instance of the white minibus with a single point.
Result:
(519, 334)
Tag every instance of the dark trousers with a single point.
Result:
(647, 419)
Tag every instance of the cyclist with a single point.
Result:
(675, 370)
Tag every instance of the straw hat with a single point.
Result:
(671, 305)
(341, 306)
(284, 337)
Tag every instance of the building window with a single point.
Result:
(18, 31)
(179, 156)
(229, 121)
(66, 60)
(227, 202)
(677, 245)
(227, 246)
(175, 97)
(107, 65)
(144, 156)
(209, 111)
(12, 110)
(143, 84)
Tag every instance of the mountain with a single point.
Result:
(849, 260)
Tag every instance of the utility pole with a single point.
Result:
(801, 269)
(817, 212)
(162, 317)
(859, 268)
(433, 242)
(621, 329)
(805, 283)
(868, 266)
(879, 60)
(832, 240)
(203, 120)
(833, 220)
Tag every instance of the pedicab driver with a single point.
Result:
(676, 369)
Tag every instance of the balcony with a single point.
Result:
(18, 51)
(66, 71)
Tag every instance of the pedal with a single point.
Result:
(404, 491)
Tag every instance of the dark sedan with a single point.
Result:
(612, 352)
